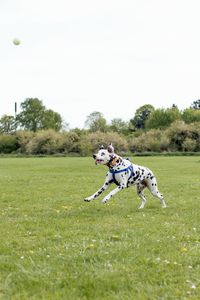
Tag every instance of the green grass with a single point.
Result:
(53, 245)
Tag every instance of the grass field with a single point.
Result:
(53, 245)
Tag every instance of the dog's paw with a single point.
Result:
(141, 206)
(105, 200)
(87, 199)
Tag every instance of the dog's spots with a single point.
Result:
(139, 175)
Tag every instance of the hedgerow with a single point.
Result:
(178, 137)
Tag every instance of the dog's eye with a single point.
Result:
(102, 154)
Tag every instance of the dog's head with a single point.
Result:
(104, 156)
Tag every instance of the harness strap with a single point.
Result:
(113, 172)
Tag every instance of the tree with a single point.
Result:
(162, 118)
(141, 115)
(35, 116)
(96, 122)
(32, 114)
(7, 124)
(118, 125)
(190, 115)
(51, 120)
(195, 104)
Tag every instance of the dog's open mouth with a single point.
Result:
(98, 161)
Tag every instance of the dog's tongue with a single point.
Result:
(98, 161)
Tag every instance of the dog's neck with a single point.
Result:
(114, 161)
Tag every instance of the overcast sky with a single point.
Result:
(111, 56)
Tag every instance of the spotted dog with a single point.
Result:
(124, 174)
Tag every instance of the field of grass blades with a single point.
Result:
(53, 245)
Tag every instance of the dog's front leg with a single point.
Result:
(99, 192)
(113, 192)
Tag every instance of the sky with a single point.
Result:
(110, 56)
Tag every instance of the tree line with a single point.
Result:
(38, 130)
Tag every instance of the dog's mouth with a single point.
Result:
(98, 161)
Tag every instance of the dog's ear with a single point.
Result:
(101, 147)
(110, 148)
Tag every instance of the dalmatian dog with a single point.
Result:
(125, 174)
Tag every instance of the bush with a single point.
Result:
(189, 144)
(191, 115)
(178, 137)
(153, 140)
(23, 138)
(177, 133)
(184, 137)
(45, 142)
(91, 142)
(70, 142)
(8, 143)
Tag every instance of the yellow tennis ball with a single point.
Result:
(16, 42)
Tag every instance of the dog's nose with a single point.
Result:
(94, 156)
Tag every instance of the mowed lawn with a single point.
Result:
(53, 245)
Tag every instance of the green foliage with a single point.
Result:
(30, 118)
(51, 120)
(45, 142)
(24, 137)
(7, 124)
(196, 104)
(151, 130)
(49, 142)
(181, 134)
(189, 144)
(71, 142)
(91, 142)
(178, 137)
(8, 143)
(34, 116)
(119, 126)
(190, 115)
(152, 140)
(142, 114)
(55, 246)
(163, 118)
(96, 122)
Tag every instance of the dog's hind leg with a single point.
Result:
(152, 186)
(140, 188)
